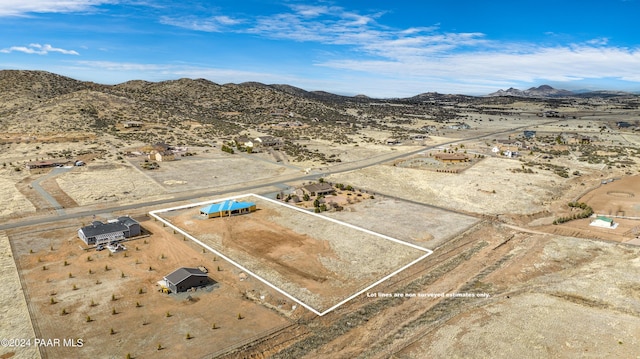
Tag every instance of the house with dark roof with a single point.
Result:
(182, 279)
(227, 208)
(114, 230)
(268, 141)
(316, 189)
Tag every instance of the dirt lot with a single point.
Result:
(618, 198)
(414, 223)
(313, 259)
(207, 170)
(104, 182)
(567, 298)
(14, 203)
(489, 187)
(14, 313)
(75, 293)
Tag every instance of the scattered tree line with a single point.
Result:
(587, 211)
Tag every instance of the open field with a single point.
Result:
(208, 170)
(101, 183)
(560, 279)
(489, 187)
(14, 314)
(91, 286)
(618, 198)
(413, 223)
(13, 201)
(318, 261)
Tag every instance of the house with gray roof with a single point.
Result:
(114, 230)
(184, 278)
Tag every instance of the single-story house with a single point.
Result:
(114, 230)
(132, 124)
(529, 134)
(267, 141)
(451, 157)
(418, 137)
(316, 189)
(507, 151)
(459, 126)
(227, 208)
(183, 279)
(46, 164)
(243, 141)
(392, 141)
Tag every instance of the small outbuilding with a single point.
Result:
(227, 208)
(604, 222)
(184, 278)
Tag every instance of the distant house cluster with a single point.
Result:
(258, 143)
(114, 230)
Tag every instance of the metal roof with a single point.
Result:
(183, 273)
(228, 205)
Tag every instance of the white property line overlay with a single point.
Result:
(428, 252)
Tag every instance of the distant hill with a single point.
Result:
(540, 91)
(546, 91)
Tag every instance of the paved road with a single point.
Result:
(48, 197)
(185, 196)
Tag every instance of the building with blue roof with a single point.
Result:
(227, 208)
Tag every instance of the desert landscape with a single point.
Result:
(529, 206)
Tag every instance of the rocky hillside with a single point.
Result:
(37, 102)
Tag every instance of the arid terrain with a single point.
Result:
(504, 190)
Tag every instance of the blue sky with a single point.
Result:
(377, 48)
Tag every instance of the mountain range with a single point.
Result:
(546, 91)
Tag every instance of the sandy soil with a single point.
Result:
(13, 202)
(141, 321)
(618, 198)
(101, 183)
(489, 187)
(558, 281)
(213, 170)
(422, 225)
(14, 314)
(313, 259)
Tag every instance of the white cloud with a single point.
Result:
(211, 24)
(172, 71)
(23, 7)
(566, 63)
(38, 49)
